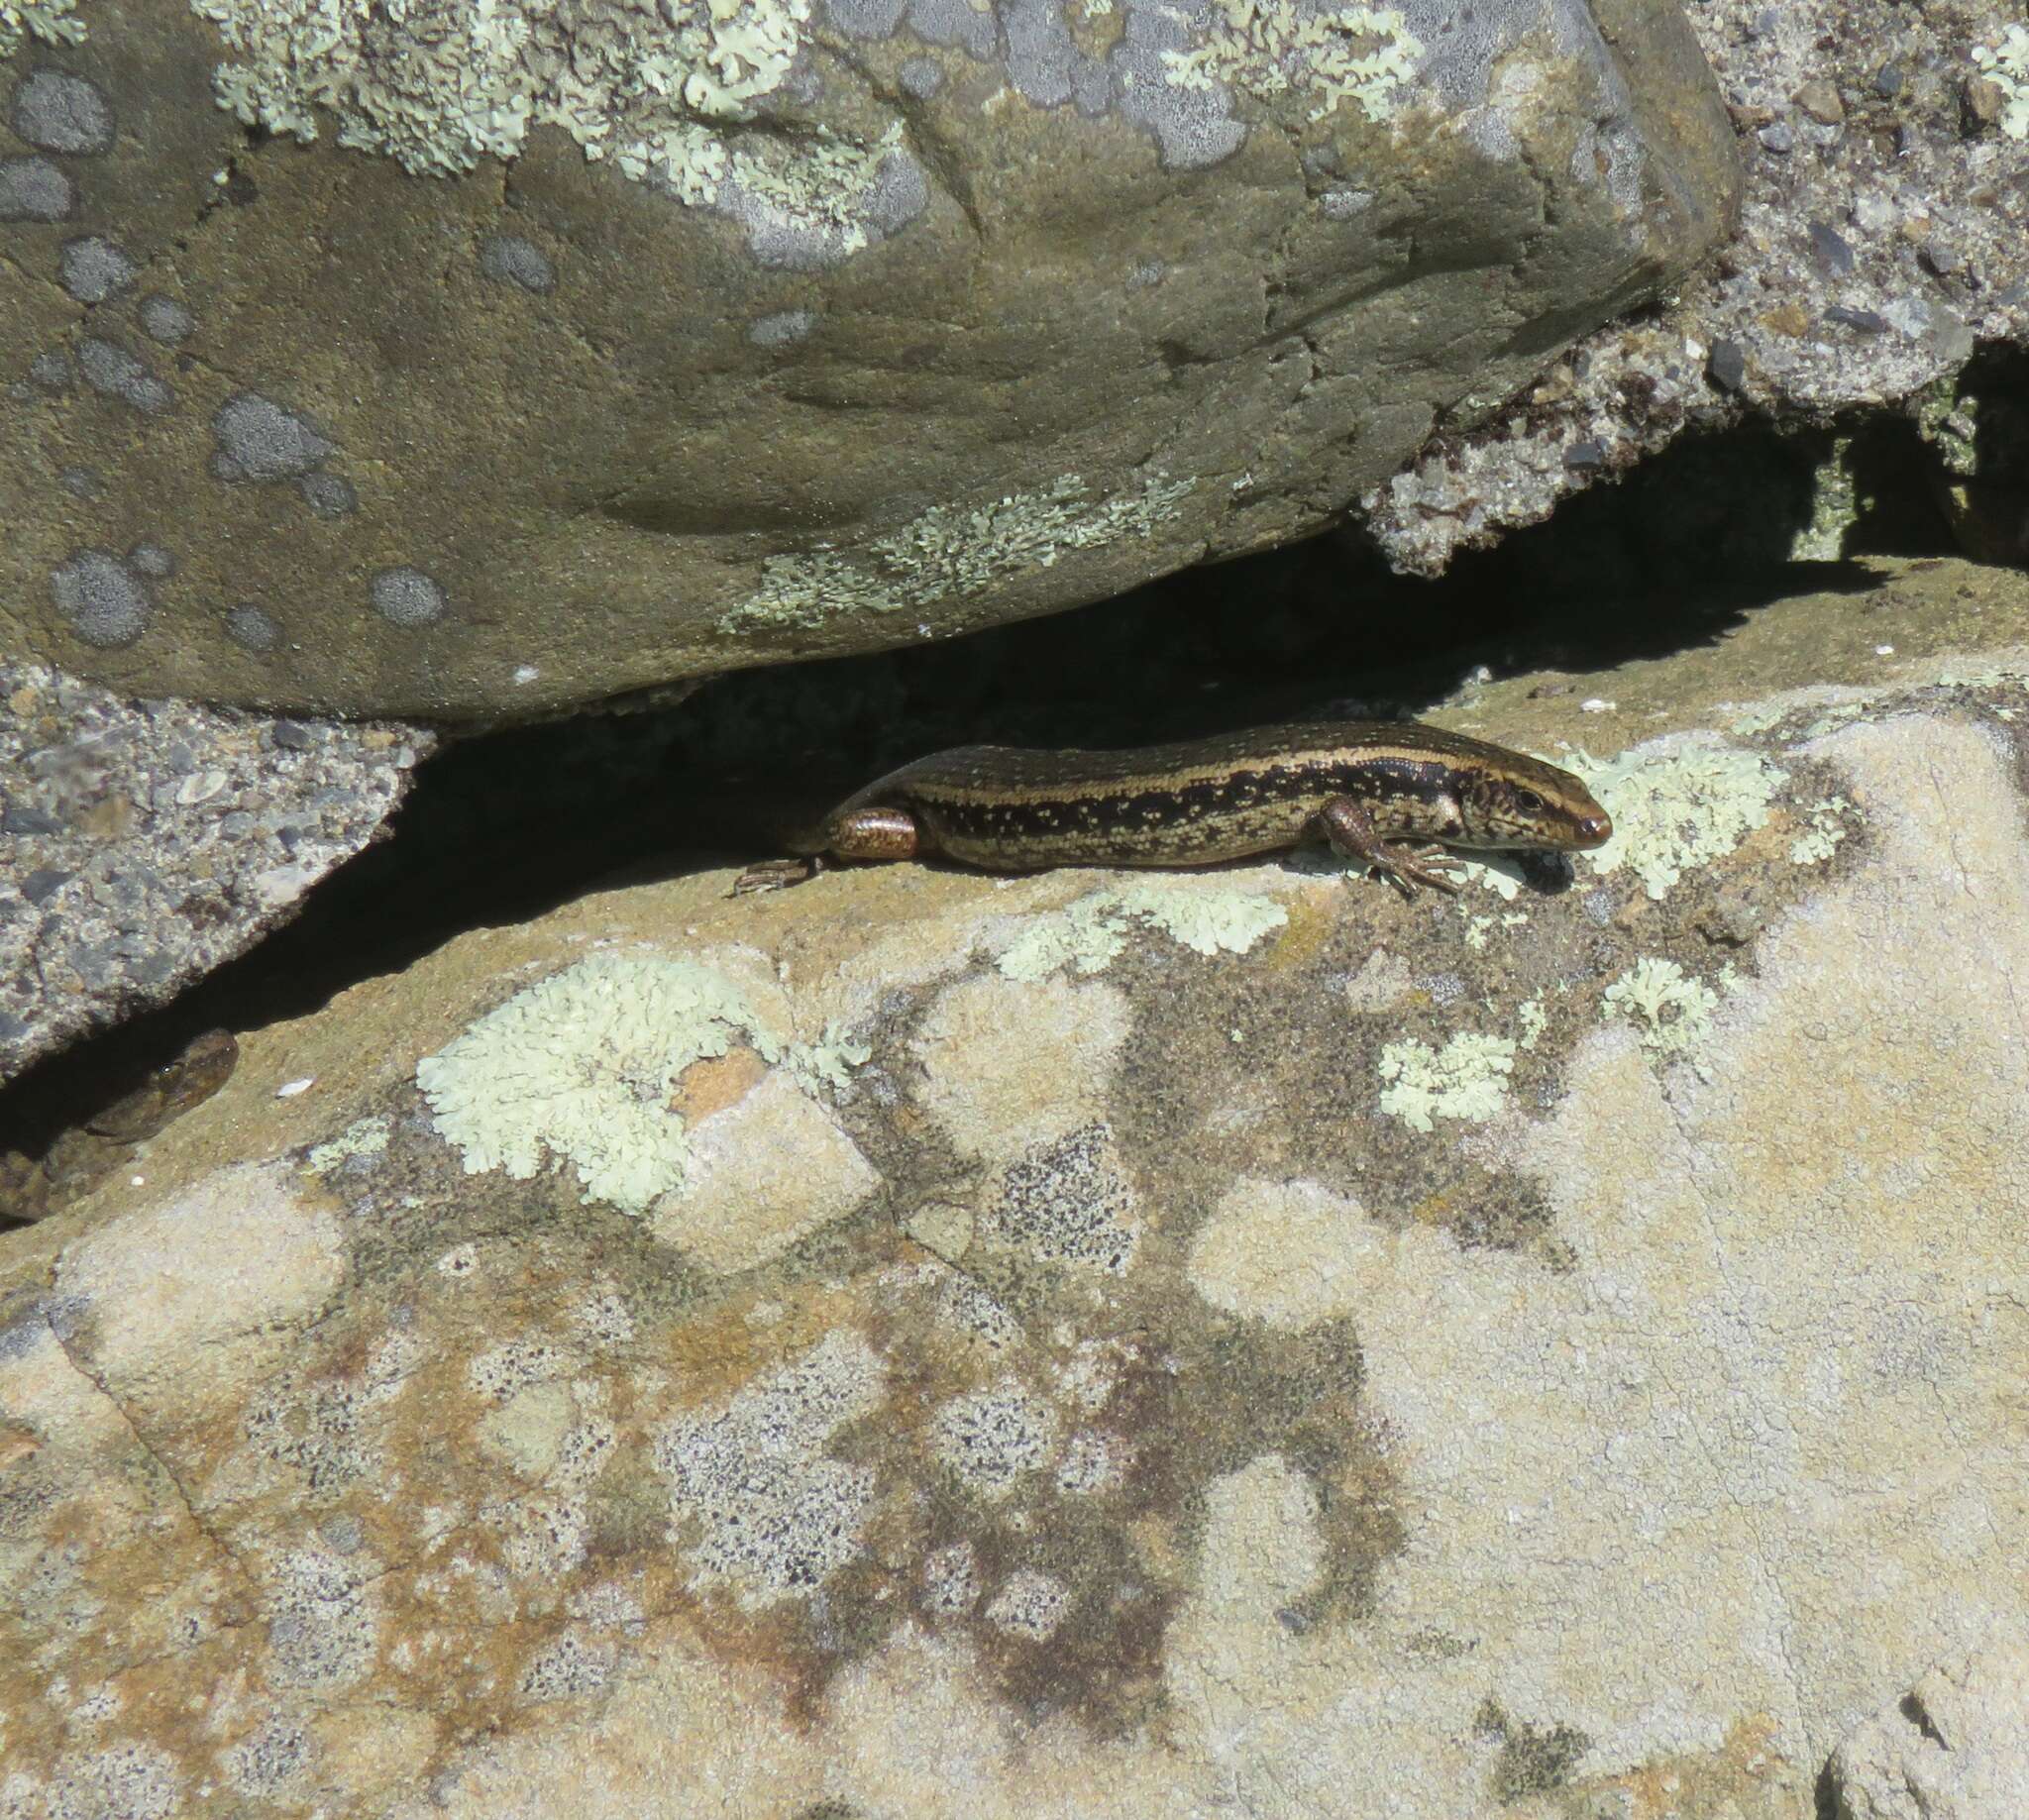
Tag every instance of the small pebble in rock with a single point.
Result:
(1830, 251)
(1820, 100)
(1982, 102)
(1727, 364)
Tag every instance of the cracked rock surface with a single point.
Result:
(144, 843)
(1220, 1343)
(533, 353)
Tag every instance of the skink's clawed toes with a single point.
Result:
(771, 874)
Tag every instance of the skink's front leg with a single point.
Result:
(1353, 834)
(862, 834)
(774, 874)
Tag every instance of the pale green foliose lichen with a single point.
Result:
(1952, 676)
(1824, 831)
(580, 1069)
(1467, 1079)
(1499, 873)
(951, 552)
(815, 183)
(1671, 1010)
(1362, 55)
(439, 85)
(363, 1137)
(2006, 65)
(55, 22)
(1092, 933)
(1676, 805)
(828, 1062)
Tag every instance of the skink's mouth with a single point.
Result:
(1594, 831)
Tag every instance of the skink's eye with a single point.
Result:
(1528, 801)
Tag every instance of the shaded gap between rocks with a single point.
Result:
(499, 827)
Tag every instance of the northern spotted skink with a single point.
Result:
(1390, 794)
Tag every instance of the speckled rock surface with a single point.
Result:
(1883, 238)
(1225, 1343)
(1955, 1747)
(144, 843)
(590, 347)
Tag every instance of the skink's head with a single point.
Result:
(1524, 803)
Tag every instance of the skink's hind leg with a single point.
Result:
(1353, 834)
(876, 833)
(862, 834)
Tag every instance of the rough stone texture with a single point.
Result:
(1245, 1345)
(546, 353)
(1882, 237)
(1976, 426)
(144, 843)
(1955, 1747)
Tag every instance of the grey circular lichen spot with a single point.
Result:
(328, 495)
(514, 261)
(110, 369)
(923, 76)
(165, 321)
(264, 440)
(1193, 127)
(56, 112)
(253, 630)
(868, 18)
(152, 560)
(407, 597)
(51, 370)
(782, 327)
(34, 189)
(102, 600)
(961, 24)
(82, 483)
(94, 268)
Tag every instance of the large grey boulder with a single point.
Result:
(467, 361)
